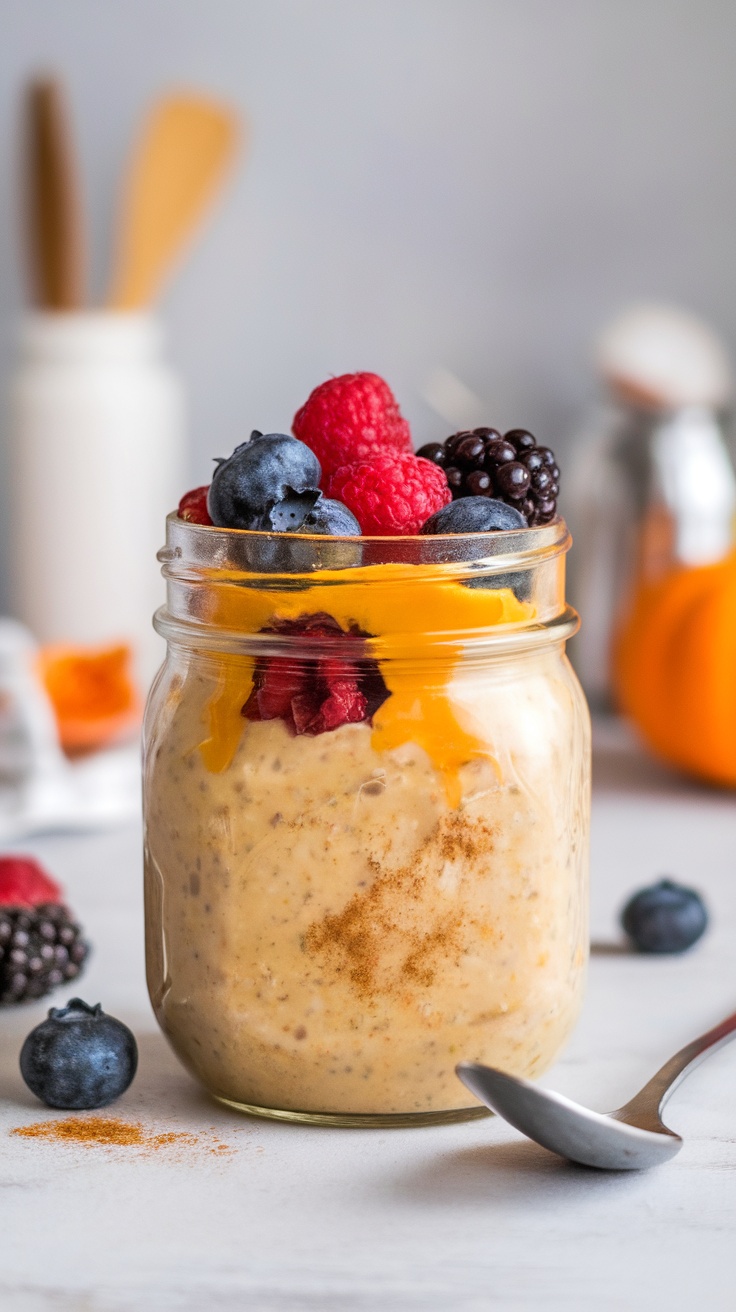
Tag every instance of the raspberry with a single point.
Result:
(392, 493)
(193, 506)
(351, 418)
(23, 883)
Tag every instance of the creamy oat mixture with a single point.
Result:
(327, 933)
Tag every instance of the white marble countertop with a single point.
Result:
(459, 1217)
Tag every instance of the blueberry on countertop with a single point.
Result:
(250, 487)
(79, 1058)
(665, 918)
(474, 515)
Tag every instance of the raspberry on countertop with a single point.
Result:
(24, 883)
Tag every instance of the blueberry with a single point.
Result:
(474, 515)
(665, 918)
(291, 514)
(332, 519)
(249, 488)
(79, 1058)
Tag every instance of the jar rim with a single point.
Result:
(233, 550)
(222, 582)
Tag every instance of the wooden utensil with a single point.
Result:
(178, 164)
(54, 207)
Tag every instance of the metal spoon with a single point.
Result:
(630, 1139)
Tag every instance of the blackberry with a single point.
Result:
(41, 947)
(510, 467)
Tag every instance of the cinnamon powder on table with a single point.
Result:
(113, 1132)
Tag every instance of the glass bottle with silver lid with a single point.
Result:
(653, 480)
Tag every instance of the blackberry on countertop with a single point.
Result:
(41, 945)
(511, 467)
(40, 948)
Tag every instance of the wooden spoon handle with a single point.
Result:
(55, 230)
(178, 164)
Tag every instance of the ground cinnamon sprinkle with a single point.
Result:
(110, 1131)
(392, 934)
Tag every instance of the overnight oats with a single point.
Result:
(366, 773)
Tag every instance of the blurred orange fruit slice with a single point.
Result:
(92, 691)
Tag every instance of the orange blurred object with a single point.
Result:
(92, 692)
(674, 668)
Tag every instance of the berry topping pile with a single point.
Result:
(349, 470)
(314, 696)
(667, 917)
(391, 494)
(79, 1058)
(351, 418)
(41, 945)
(512, 469)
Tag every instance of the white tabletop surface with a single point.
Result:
(458, 1217)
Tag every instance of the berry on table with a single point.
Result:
(41, 945)
(474, 515)
(193, 506)
(667, 917)
(24, 883)
(249, 488)
(79, 1058)
(510, 468)
(391, 494)
(351, 418)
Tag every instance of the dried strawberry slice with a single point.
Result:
(283, 680)
(313, 697)
(344, 705)
(305, 708)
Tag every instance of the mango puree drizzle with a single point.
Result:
(403, 614)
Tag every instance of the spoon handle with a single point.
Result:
(656, 1092)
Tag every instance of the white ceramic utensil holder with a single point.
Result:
(96, 460)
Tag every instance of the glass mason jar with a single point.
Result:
(367, 810)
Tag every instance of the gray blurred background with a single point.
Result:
(469, 185)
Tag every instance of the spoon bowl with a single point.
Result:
(565, 1127)
(633, 1138)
